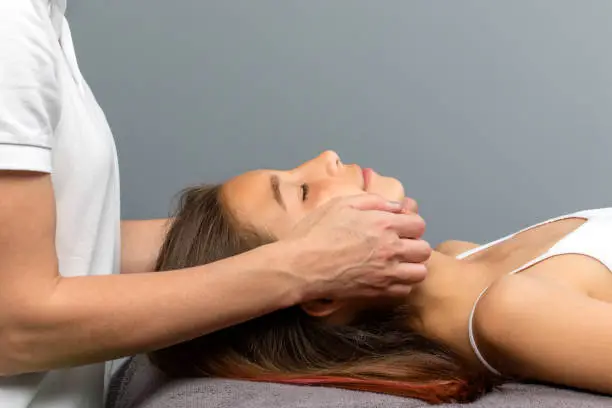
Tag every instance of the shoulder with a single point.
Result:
(534, 328)
(26, 10)
(506, 320)
(454, 247)
(30, 97)
(508, 298)
(519, 315)
(26, 28)
(30, 49)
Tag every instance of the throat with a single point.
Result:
(450, 277)
(444, 300)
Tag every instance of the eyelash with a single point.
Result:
(304, 187)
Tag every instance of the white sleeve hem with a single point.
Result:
(25, 157)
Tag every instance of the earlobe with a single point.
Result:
(322, 307)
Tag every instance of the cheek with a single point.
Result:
(321, 194)
(318, 195)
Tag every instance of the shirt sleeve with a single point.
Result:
(30, 105)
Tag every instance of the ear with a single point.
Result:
(322, 307)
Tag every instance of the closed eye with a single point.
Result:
(304, 188)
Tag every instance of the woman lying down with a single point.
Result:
(535, 305)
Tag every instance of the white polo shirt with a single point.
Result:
(50, 122)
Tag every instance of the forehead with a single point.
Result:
(250, 198)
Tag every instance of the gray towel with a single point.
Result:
(139, 385)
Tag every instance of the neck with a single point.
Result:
(444, 300)
(453, 277)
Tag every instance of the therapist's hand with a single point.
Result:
(359, 246)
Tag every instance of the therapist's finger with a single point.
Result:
(410, 205)
(407, 275)
(413, 251)
(407, 225)
(399, 290)
(373, 202)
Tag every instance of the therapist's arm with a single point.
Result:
(140, 243)
(48, 321)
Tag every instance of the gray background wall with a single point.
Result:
(494, 114)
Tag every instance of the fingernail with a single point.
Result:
(395, 205)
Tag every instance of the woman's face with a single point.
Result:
(273, 201)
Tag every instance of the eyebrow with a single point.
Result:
(275, 185)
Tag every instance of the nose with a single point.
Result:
(330, 162)
(326, 164)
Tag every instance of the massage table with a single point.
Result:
(137, 384)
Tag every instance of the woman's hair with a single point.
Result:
(377, 352)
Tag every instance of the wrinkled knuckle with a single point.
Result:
(383, 223)
(395, 245)
(385, 252)
(399, 247)
(385, 280)
(376, 282)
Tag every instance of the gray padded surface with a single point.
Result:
(138, 385)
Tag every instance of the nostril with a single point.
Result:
(336, 159)
(331, 155)
(338, 165)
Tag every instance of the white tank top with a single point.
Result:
(593, 239)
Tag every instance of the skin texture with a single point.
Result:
(325, 177)
(533, 325)
(301, 190)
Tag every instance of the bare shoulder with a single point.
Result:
(534, 328)
(505, 322)
(507, 303)
(454, 247)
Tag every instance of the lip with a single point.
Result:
(367, 177)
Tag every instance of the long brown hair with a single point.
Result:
(377, 352)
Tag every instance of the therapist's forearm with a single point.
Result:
(91, 319)
(140, 243)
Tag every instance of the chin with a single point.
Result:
(388, 187)
(399, 189)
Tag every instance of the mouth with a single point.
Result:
(367, 177)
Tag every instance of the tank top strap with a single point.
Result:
(471, 332)
(473, 251)
(472, 336)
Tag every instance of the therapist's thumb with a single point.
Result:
(366, 202)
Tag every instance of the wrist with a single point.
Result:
(281, 260)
